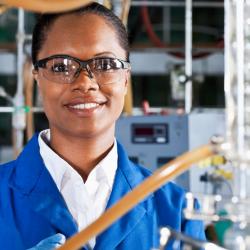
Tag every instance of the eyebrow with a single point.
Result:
(105, 53)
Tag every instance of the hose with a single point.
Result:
(48, 6)
(155, 181)
(28, 89)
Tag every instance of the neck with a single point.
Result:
(82, 153)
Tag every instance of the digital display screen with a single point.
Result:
(144, 131)
(149, 133)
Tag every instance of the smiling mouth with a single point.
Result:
(85, 106)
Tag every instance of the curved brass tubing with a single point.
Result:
(161, 176)
(3, 8)
(47, 6)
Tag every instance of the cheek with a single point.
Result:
(50, 96)
(118, 97)
(122, 88)
(119, 92)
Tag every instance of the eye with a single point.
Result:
(105, 64)
(62, 65)
(59, 68)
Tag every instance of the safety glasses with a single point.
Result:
(66, 69)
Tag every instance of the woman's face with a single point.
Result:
(82, 108)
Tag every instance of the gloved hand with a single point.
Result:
(50, 243)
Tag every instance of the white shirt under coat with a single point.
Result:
(85, 201)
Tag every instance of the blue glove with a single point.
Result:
(50, 243)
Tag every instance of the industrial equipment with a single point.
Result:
(154, 140)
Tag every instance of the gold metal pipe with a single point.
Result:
(3, 8)
(47, 6)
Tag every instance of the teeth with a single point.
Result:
(85, 106)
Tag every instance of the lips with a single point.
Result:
(85, 106)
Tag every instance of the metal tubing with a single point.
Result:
(188, 56)
(18, 117)
(227, 69)
(20, 52)
(13, 109)
(241, 175)
(204, 4)
(240, 73)
(181, 49)
(193, 242)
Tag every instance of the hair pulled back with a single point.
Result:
(45, 21)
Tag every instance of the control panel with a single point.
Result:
(150, 133)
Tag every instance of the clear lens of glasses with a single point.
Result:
(66, 70)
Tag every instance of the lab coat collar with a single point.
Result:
(127, 177)
(33, 181)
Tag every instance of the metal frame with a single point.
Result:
(188, 55)
(203, 4)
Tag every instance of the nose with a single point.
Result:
(84, 81)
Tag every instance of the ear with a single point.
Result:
(127, 81)
(35, 75)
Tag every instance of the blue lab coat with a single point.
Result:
(32, 208)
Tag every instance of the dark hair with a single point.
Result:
(46, 20)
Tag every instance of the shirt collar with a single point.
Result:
(104, 171)
(106, 168)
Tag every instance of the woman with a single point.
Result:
(68, 175)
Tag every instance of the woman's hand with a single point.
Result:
(50, 243)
